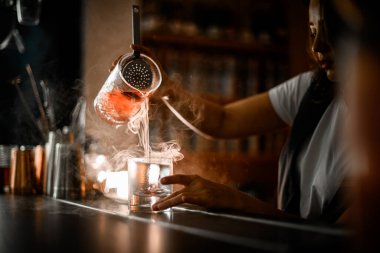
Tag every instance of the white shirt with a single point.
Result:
(321, 161)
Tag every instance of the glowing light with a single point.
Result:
(97, 162)
(122, 186)
(154, 174)
(100, 159)
(116, 184)
(113, 184)
(102, 176)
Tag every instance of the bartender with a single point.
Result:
(312, 166)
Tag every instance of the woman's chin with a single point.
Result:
(330, 74)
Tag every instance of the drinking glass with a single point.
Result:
(144, 176)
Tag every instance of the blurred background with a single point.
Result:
(52, 49)
(222, 50)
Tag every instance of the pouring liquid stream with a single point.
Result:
(120, 108)
(124, 100)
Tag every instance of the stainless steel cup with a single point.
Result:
(49, 163)
(68, 173)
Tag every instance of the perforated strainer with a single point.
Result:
(134, 78)
(138, 70)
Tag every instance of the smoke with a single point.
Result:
(155, 131)
(203, 154)
(132, 139)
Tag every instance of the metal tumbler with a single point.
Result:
(68, 173)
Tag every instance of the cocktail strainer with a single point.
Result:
(134, 77)
(138, 74)
(138, 70)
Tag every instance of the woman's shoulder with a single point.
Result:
(303, 79)
(286, 97)
(296, 85)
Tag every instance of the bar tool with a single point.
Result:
(68, 173)
(138, 70)
(134, 78)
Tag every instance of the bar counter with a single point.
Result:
(44, 224)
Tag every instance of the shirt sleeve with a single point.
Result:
(286, 97)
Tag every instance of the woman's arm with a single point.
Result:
(253, 115)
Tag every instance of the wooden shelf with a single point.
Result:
(204, 43)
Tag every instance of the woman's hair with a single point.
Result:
(322, 84)
(320, 79)
(367, 33)
(320, 74)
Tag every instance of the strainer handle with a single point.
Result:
(135, 25)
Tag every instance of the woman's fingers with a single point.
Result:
(179, 179)
(171, 195)
(148, 53)
(178, 198)
(172, 200)
(114, 63)
(142, 49)
(197, 191)
(192, 193)
(135, 47)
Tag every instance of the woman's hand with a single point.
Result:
(199, 191)
(167, 86)
(202, 192)
(150, 54)
(147, 52)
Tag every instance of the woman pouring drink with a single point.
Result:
(312, 166)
